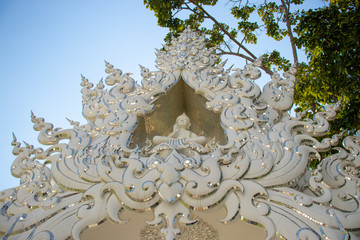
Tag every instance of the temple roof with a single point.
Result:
(240, 150)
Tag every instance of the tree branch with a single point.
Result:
(222, 52)
(288, 26)
(251, 56)
(179, 10)
(228, 47)
(224, 30)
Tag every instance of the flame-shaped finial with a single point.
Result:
(32, 116)
(14, 141)
(100, 85)
(109, 67)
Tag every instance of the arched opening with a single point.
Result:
(208, 227)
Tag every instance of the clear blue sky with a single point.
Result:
(46, 45)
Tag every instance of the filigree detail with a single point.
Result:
(188, 51)
(260, 174)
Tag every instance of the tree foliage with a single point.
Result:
(329, 36)
(276, 19)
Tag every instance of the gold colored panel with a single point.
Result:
(178, 99)
(203, 121)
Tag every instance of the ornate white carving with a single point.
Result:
(260, 173)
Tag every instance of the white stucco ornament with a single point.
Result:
(233, 146)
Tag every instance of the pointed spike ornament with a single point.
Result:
(100, 85)
(73, 123)
(32, 115)
(70, 121)
(223, 63)
(143, 69)
(229, 69)
(14, 137)
(16, 145)
(27, 145)
(109, 67)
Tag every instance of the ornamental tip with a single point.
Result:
(14, 137)
(83, 80)
(29, 146)
(72, 123)
(143, 69)
(107, 64)
(222, 64)
(15, 143)
(100, 85)
(32, 115)
(341, 135)
(229, 69)
(26, 144)
(109, 67)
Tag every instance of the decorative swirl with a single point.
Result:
(136, 104)
(119, 121)
(244, 87)
(221, 101)
(44, 235)
(307, 233)
(236, 118)
(278, 92)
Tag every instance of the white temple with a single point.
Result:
(194, 152)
